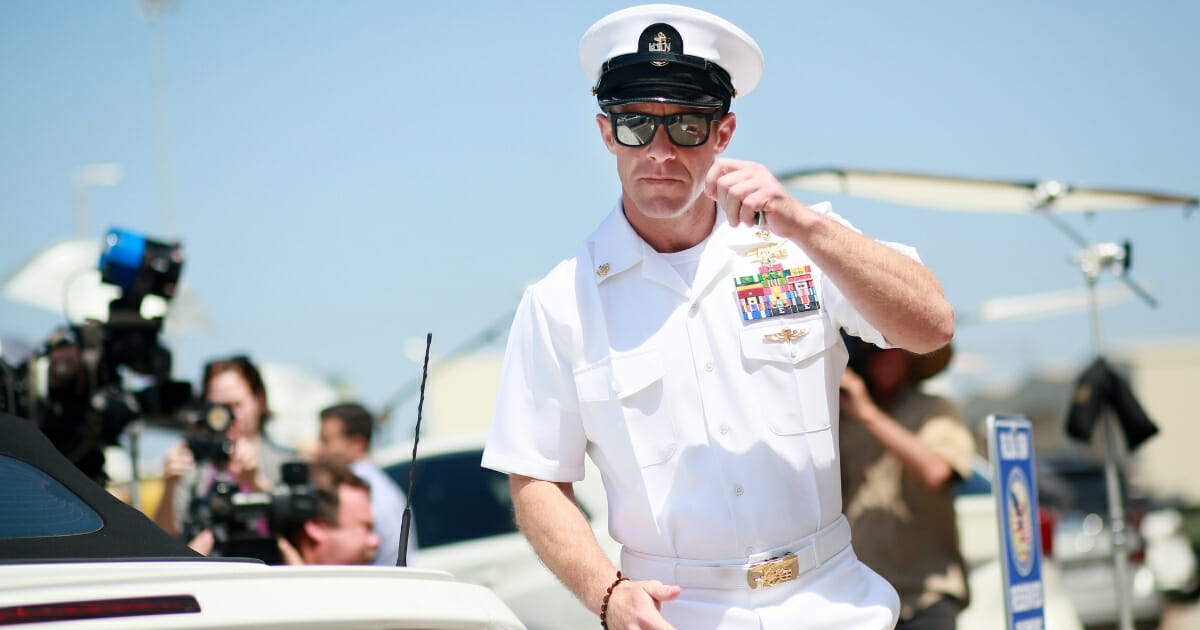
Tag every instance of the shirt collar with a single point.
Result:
(616, 247)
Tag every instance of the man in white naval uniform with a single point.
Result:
(696, 359)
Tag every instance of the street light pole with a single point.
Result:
(86, 177)
(153, 10)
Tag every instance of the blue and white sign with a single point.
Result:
(1010, 445)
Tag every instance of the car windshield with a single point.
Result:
(1074, 486)
(34, 504)
(977, 483)
(456, 500)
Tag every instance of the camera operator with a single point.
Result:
(342, 532)
(242, 455)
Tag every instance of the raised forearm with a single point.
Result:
(897, 295)
(164, 514)
(917, 457)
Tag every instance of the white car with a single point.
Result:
(210, 593)
(1169, 553)
(1076, 487)
(73, 557)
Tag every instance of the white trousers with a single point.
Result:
(843, 594)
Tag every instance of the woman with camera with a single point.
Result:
(242, 454)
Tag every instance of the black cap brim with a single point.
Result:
(676, 79)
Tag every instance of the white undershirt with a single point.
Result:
(687, 261)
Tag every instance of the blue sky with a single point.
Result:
(347, 176)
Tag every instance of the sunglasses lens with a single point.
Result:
(688, 130)
(634, 130)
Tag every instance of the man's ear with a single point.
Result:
(315, 530)
(725, 129)
(606, 132)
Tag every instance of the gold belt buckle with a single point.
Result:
(774, 571)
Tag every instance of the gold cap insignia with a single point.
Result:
(660, 43)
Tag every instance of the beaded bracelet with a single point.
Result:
(607, 595)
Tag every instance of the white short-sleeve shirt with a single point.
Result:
(715, 432)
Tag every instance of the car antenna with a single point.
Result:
(406, 520)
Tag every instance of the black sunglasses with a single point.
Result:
(688, 129)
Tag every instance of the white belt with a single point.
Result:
(791, 562)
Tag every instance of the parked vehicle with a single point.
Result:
(72, 556)
(1169, 553)
(1074, 486)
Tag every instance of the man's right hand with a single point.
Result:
(636, 605)
(288, 552)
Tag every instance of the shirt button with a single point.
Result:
(708, 366)
(695, 308)
(737, 490)
(724, 429)
(793, 352)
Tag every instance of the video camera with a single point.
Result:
(73, 386)
(245, 524)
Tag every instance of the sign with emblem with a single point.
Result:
(1014, 486)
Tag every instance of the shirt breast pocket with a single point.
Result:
(623, 407)
(788, 363)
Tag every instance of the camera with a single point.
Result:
(245, 524)
(206, 426)
(73, 386)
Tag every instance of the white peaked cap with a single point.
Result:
(703, 36)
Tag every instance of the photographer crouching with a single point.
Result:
(338, 530)
(222, 456)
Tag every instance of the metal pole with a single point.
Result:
(1116, 505)
(153, 9)
(135, 478)
(1116, 518)
(83, 222)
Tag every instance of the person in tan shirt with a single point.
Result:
(903, 452)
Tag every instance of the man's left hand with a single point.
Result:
(854, 397)
(745, 189)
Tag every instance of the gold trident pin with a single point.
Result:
(768, 254)
(787, 335)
